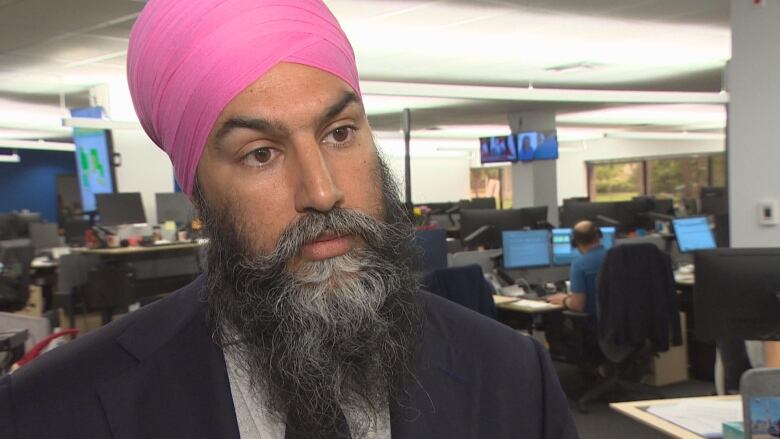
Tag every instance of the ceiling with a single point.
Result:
(494, 56)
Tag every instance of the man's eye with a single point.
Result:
(340, 136)
(259, 157)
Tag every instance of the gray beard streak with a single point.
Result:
(324, 334)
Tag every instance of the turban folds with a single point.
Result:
(188, 59)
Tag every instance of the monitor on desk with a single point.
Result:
(498, 221)
(526, 248)
(175, 207)
(534, 217)
(608, 237)
(693, 234)
(122, 208)
(44, 236)
(736, 294)
(563, 253)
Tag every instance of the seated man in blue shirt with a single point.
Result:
(587, 240)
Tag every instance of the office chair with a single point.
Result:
(637, 313)
(15, 259)
(463, 285)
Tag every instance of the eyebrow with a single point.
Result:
(276, 128)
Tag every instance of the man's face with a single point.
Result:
(296, 141)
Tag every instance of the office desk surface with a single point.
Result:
(139, 249)
(525, 305)
(635, 410)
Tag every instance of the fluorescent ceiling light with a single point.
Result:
(10, 158)
(378, 104)
(100, 124)
(710, 116)
(666, 135)
(38, 145)
(540, 94)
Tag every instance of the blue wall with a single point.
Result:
(31, 184)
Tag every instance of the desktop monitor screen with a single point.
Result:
(123, 208)
(563, 253)
(93, 163)
(735, 294)
(497, 149)
(607, 237)
(433, 244)
(499, 220)
(693, 234)
(174, 207)
(537, 145)
(526, 248)
(44, 236)
(534, 217)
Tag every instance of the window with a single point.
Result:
(678, 178)
(615, 181)
(493, 182)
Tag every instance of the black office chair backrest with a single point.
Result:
(637, 299)
(15, 260)
(463, 285)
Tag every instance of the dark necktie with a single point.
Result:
(340, 430)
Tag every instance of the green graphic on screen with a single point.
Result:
(92, 160)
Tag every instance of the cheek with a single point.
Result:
(262, 217)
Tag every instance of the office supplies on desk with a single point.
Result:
(703, 417)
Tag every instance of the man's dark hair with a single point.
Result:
(586, 233)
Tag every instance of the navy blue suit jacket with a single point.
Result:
(157, 374)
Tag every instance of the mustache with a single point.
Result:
(338, 221)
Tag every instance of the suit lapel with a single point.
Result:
(179, 388)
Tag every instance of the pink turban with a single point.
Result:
(189, 58)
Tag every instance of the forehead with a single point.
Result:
(288, 89)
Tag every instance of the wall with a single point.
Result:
(754, 130)
(572, 174)
(145, 168)
(436, 175)
(31, 184)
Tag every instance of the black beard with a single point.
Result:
(323, 334)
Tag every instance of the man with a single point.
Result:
(308, 322)
(586, 237)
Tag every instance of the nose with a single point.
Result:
(316, 188)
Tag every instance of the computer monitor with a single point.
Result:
(736, 294)
(497, 221)
(433, 246)
(174, 207)
(537, 145)
(608, 237)
(479, 203)
(44, 236)
(563, 253)
(534, 217)
(714, 200)
(497, 149)
(526, 248)
(123, 208)
(576, 211)
(693, 234)
(7, 230)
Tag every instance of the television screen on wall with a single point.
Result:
(537, 145)
(497, 149)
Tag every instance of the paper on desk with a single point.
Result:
(702, 417)
(525, 303)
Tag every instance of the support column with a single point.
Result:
(535, 183)
(753, 148)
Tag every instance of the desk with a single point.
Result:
(125, 275)
(519, 313)
(124, 251)
(529, 306)
(635, 410)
